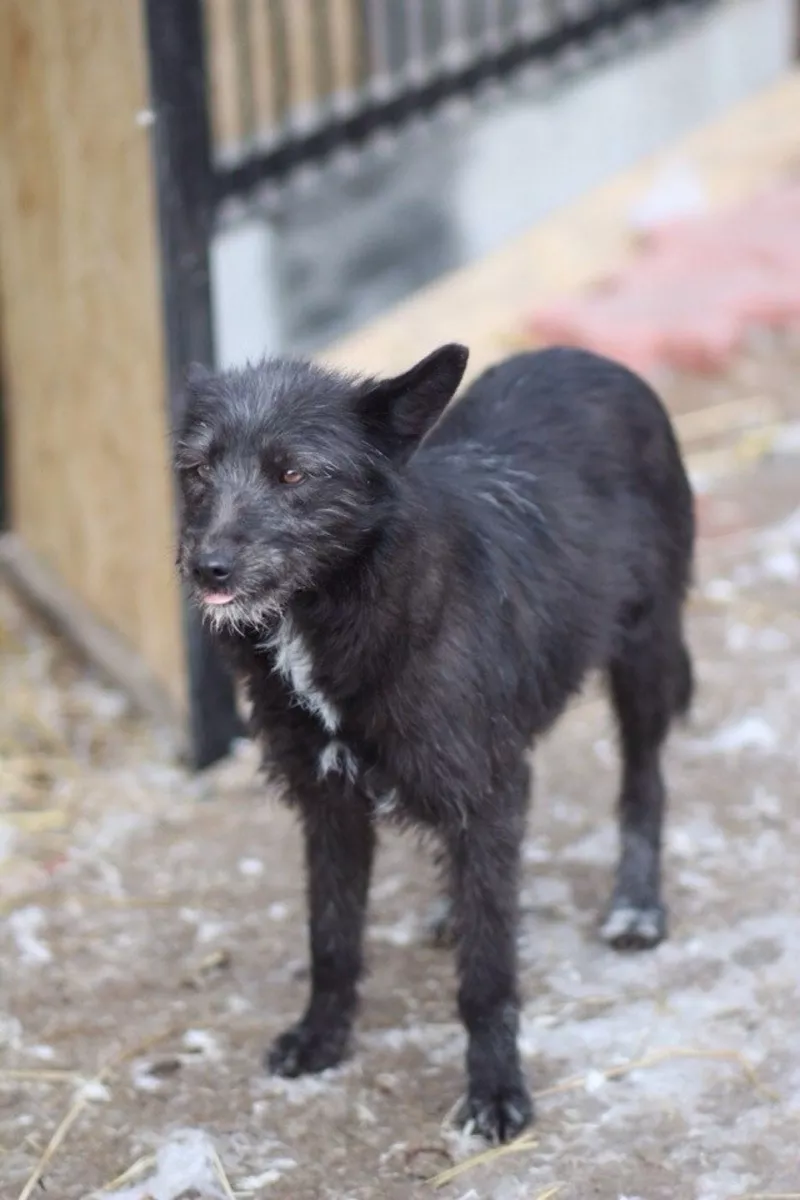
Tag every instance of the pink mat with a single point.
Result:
(695, 289)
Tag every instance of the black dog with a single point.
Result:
(407, 619)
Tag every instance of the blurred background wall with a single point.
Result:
(341, 244)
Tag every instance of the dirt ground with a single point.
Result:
(152, 939)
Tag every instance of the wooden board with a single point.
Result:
(485, 303)
(90, 489)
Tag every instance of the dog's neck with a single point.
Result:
(399, 564)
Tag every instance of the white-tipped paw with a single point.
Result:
(630, 928)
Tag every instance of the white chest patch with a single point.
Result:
(293, 661)
(338, 759)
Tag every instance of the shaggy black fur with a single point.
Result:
(409, 618)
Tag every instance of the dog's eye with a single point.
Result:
(291, 476)
(199, 471)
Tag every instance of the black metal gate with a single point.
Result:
(300, 89)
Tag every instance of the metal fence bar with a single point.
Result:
(323, 51)
(420, 96)
(280, 62)
(244, 70)
(182, 157)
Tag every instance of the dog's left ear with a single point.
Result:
(196, 377)
(397, 413)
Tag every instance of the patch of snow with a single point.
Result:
(722, 1184)
(143, 1079)
(210, 929)
(250, 867)
(752, 732)
(273, 1171)
(185, 1164)
(201, 1043)
(598, 846)
(10, 1032)
(783, 565)
(536, 850)
(94, 1091)
(116, 827)
(720, 591)
(299, 1091)
(441, 1043)
(764, 803)
(403, 933)
(604, 752)
(24, 925)
(594, 1082)
(8, 840)
(787, 439)
(43, 1053)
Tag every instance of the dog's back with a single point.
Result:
(568, 468)
(574, 427)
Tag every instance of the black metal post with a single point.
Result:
(5, 521)
(181, 143)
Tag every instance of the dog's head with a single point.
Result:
(283, 469)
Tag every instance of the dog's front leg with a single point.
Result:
(339, 845)
(485, 864)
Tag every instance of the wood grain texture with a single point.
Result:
(485, 304)
(90, 489)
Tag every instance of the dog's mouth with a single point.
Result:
(218, 599)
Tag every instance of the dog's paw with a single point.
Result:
(304, 1050)
(498, 1115)
(628, 927)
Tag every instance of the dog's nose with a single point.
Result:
(213, 568)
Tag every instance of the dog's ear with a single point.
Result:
(196, 378)
(398, 412)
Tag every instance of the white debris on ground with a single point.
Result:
(186, 1165)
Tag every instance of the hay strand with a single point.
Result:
(223, 1178)
(31, 1075)
(525, 1142)
(142, 1164)
(51, 1149)
(81, 1101)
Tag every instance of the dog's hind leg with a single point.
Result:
(651, 684)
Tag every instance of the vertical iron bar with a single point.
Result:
(244, 70)
(5, 520)
(361, 46)
(280, 64)
(322, 33)
(416, 55)
(183, 168)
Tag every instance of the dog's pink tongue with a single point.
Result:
(218, 597)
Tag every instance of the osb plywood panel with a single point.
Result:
(90, 485)
(241, 53)
(484, 304)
